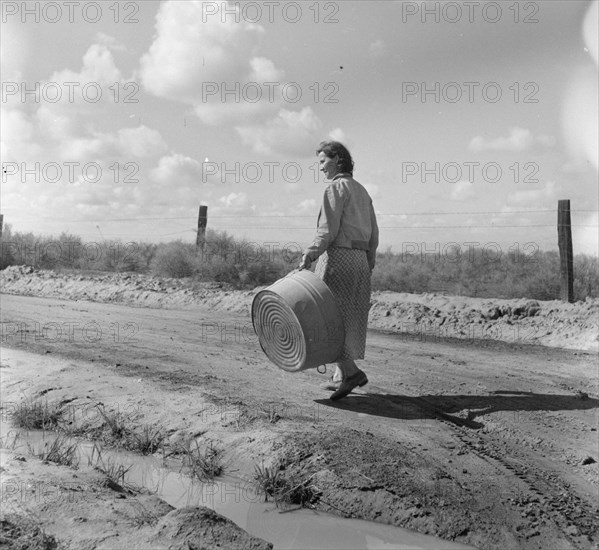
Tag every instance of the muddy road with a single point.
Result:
(477, 441)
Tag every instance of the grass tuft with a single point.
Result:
(61, 450)
(37, 414)
(114, 471)
(284, 489)
(203, 464)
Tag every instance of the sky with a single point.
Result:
(467, 121)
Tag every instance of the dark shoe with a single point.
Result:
(351, 382)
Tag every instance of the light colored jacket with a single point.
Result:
(346, 220)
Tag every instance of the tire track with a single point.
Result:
(552, 497)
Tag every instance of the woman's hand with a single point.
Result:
(305, 263)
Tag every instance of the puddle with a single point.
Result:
(236, 499)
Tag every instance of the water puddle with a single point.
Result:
(235, 499)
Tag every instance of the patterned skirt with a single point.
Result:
(346, 272)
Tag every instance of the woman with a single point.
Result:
(346, 240)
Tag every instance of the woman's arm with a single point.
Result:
(329, 220)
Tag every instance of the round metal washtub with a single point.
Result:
(298, 322)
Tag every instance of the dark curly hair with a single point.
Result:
(334, 148)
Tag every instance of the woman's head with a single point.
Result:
(337, 152)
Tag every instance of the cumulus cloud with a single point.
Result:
(290, 132)
(179, 170)
(235, 203)
(519, 140)
(110, 42)
(58, 140)
(207, 62)
(98, 67)
(140, 142)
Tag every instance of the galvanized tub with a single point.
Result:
(298, 322)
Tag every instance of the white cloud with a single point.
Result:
(17, 132)
(98, 67)
(188, 51)
(518, 141)
(235, 203)
(47, 137)
(462, 191)
(210, 62)
(290, 132)
(177, 170)
(110, 42)
(337, 135)
(533, 197)
(264, 70)
(140, 142)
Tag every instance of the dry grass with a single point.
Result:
(60, 450)
(286, 488)
(202, 463)
(521, 272)
(37, 414)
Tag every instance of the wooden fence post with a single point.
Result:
(566, 257)
(202, 223)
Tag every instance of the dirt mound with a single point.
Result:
(201, 527)
(429, 316)
(421, 316)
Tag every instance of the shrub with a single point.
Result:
(175, 259)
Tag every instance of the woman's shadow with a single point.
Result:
(462, 410)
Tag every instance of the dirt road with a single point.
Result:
(481, 442)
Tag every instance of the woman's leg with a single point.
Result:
(347, 367)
